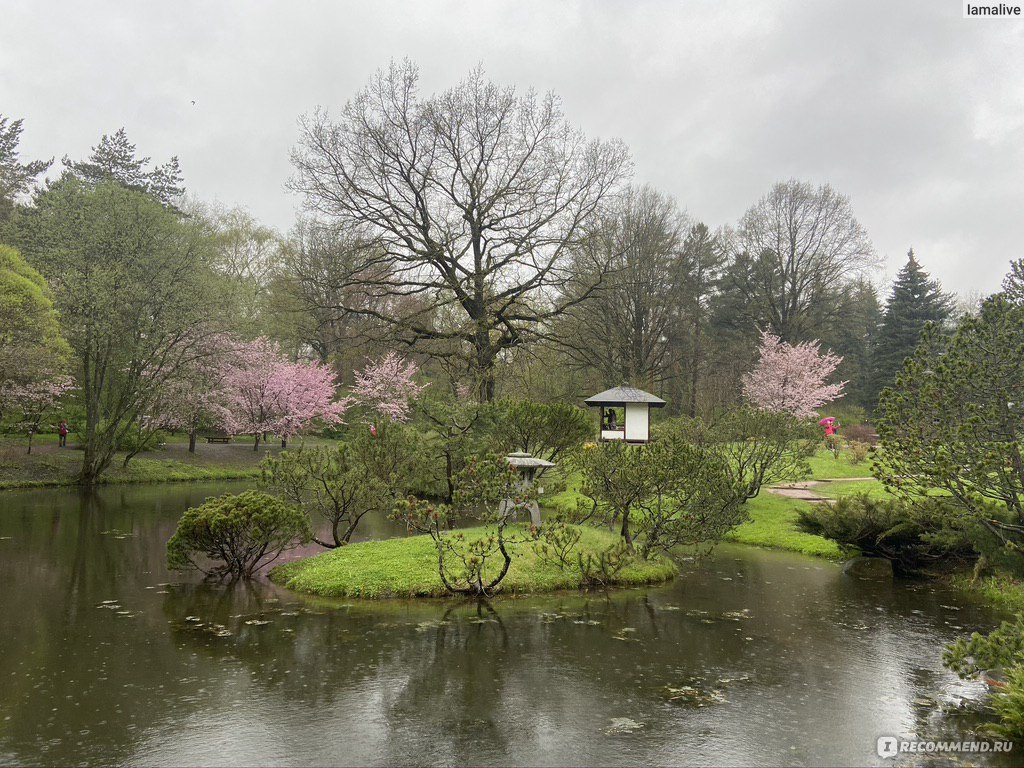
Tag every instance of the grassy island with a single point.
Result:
(408, 568)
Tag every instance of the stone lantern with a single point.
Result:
(526, 466)
(625, 413)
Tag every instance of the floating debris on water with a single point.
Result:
(727, 681)
(692, 696)
(423, 626)
(737, 615)
(194, 619)
(623, 725)
(257, 622)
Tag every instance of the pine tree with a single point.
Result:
(115, 159)
(915, 300)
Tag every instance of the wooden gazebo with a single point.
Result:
(634, 425)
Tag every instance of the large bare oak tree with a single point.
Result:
(475, 196)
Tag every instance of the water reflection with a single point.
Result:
(755, 658)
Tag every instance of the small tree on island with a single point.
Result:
(242, 533)
(343, 483)
(661, 495)
(791, 378)
(488, 489)
(753, 447)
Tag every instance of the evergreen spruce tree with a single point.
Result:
(1013, 283)
(915, 300)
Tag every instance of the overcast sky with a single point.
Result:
(914, 112)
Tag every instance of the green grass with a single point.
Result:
(1000, 591)
(408, 568)
(825, 466)
(49, 465)
(773, 524)
(772, 521)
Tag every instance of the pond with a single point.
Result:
(752, 657)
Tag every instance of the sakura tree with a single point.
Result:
(791, 378)
(263, 392)
(34, 401)
(193, 396)
(386, 386)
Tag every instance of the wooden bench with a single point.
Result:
(218, 438)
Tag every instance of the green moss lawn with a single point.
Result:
(408, 568)
(772, 524)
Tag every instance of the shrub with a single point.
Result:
(859, 451)
(558, 544)
(912, 537)
(662, 495)
(860, 433)
(1003, 648)
(242, 532)
(541, 429)
(755, 448)
(343, 483)
(489, 490)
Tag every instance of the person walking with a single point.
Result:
(62, 432)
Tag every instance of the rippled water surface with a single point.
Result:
(754, 657)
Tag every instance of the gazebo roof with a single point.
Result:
(619, 396)
(526, 460)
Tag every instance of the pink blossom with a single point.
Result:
(262, 391)
(791, 378)
(386, 386)
(37, 397)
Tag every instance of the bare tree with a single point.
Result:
(474, 196)
(795, 248)
(622, 331)
(324, 293)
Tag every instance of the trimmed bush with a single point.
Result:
(242, 532)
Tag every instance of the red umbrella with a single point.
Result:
(826, 421)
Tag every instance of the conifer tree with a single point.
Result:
(915, 300)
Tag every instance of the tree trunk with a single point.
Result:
(192, 441)
(694, 369)
(256, 445)
(625, 532)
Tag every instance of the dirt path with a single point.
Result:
(803, 490)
